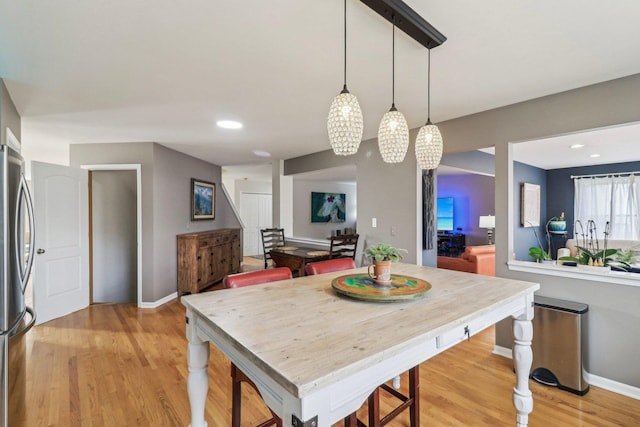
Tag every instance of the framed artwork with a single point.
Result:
(203, 200)
(328, 207)
(530, 205)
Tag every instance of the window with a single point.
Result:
(611, 202)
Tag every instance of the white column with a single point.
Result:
(282, 191)
(198, 381)
(523, 358)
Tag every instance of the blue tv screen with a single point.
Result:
(445, 213)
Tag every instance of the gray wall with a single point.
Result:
(113, 195)
(302, 225)
(387, 192)
(166, 207)
(615, 344)
(9, 117)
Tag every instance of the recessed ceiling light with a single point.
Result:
(577, 146)
(229, 124)
(595, 155)
(261, 153)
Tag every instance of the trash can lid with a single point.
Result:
(562, 305)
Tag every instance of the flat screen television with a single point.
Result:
(445, 214)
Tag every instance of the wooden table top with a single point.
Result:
(306, 336)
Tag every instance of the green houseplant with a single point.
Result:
(382, 256)
(384, 252)
(613, 258)
(539, 253)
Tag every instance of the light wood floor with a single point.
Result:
(116, 365)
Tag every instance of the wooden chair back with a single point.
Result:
(344, 246)
(271, 238)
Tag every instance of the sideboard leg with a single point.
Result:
(198, 381)
(523, 358)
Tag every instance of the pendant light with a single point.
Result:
(345, 124)
(429, 140)
(393, 133)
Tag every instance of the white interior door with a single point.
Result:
(61, 266)
(256, 214)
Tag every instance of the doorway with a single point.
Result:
(113, 259)
(256, 214)
(115, 213)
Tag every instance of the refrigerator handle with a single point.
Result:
(24, 270)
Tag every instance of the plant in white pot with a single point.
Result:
(382, 256)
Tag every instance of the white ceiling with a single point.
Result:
(84, 72)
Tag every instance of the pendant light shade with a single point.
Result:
(429, 140)
(429, 147)
(393, 133)
(345, 123)
(393, 136)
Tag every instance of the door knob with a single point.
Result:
(40, 251)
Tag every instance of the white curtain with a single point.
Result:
(609, 199)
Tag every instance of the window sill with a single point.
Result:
(617, 277)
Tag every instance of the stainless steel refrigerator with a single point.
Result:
(16, 259)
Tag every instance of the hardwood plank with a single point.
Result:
(116, 386)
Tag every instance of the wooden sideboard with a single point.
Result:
(204, 258)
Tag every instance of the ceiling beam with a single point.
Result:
(408, 21)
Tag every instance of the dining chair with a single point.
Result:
(344, 246)
(329, 265)
(271, 238)
(410, 401)
(240, 280)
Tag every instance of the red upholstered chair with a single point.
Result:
(249, 278)
(329, 265)
(239, 280)
(411, 401)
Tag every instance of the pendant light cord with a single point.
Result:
(393, 64)
(429, 86)
(345, 44)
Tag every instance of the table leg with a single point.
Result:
(198, 381)
(523, 358)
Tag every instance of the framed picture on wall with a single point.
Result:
(328, 207)
(203, 200)
(530, 205)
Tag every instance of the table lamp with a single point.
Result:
(488, 222)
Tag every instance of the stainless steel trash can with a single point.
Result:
(559, 337)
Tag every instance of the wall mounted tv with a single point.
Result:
(445, 213)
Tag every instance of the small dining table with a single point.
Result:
(296, 257)
(316, 354)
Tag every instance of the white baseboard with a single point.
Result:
(594, 380)
(158, 303)
(614, 386)
(502, 351)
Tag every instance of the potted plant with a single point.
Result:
(610, 258)
(382, 256)
(538, 252)
(557, 224)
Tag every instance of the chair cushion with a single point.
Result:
(256, 277)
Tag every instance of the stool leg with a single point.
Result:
(374, 408)
(414, 395)
(236, 397)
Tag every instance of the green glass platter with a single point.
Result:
(362, 287)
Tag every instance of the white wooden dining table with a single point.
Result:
(316, 355)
